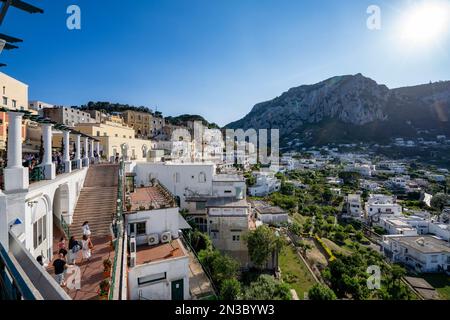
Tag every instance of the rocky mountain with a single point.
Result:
(352, 108)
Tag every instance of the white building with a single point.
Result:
(354, 206)
(421, 253)
(365, 170)
(266, 183)
(397, 227)
(39, 106)
(159, 262)
(269, 214)
(379, 206)
(229, 219)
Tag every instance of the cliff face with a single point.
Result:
(352, 108)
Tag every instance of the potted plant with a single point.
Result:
(103, 289)
(107, 264)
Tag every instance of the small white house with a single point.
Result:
(269, 214)
(266, 183)
(354, 206)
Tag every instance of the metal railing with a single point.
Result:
(14, 285)
(117, 227)
(74, 165)
(36, 174)
(2, 179)
(60, 168)
(64, 226)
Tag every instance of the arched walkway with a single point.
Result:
(61, 202)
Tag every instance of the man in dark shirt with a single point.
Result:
(60, 267)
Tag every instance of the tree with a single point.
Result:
(439, 201)
(295, 228)
(327, 195)
(287, 189)
(230, 289)
(220, 266)
(340, 236)
(224, 267)
(350, 178)
(200, 241)
(261, 242)
(267, 288)
(321, 292)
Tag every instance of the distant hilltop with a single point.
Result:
(112, 108)
(350, 109)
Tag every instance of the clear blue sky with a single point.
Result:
(216, 58)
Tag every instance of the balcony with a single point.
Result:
(74, 165)
(36, 174)
(60, 168)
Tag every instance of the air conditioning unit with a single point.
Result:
(166, 237)
(132, 244)
(153, 239)
(132, 259)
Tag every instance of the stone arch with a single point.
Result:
(61, 202)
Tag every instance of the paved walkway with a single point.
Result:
(92, 270)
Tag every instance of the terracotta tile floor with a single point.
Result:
(92, 270)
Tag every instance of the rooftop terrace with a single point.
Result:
(148, 254)
(149, 198)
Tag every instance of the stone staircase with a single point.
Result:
(97, 201)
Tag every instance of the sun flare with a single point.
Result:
(425, 23)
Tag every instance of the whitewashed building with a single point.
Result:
(266, 183)
(379, 206)
(421, 253)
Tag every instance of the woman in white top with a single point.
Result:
(86, 248)
(86, 229)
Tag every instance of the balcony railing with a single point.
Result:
(74, 165)
(85, 162)
(36, 174)
(118, 228)
(2, 179)
(60, 168)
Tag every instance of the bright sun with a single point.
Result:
(425, 23)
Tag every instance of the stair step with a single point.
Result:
(97, 201)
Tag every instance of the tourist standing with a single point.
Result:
(62, 243)
(86, 229)
(74, 248)
(60, 267)
(86, 248)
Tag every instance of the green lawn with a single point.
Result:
(294, 271)
(441, 283)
